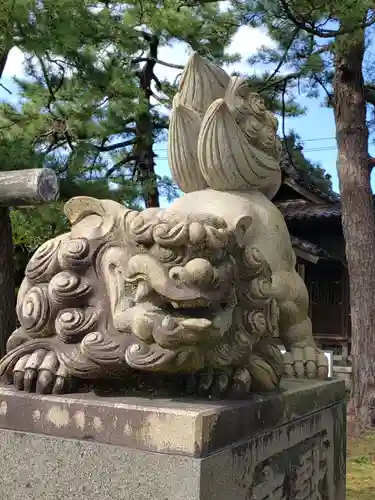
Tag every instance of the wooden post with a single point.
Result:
(301, 270)
(17, 188)
(28, 187)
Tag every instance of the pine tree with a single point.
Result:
(310, 173)
(91, 105)
(92, 101)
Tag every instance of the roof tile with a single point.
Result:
(302, 209)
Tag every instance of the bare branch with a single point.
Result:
(6, 90)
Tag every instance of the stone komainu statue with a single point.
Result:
(204, 288)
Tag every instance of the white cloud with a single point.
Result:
(247, 40)
(245, 43)
(14, 65)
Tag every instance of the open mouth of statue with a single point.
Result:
(199, 317)
(187, 321)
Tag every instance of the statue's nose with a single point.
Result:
(198, 272)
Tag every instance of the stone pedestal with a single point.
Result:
(279, 446)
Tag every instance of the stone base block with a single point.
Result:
(279, 446)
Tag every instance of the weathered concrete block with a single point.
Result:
(284, 445)
(344, 373)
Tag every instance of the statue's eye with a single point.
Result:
(168, 255)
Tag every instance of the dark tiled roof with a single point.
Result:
(310, 248)
(302, 209)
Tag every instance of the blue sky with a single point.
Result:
(316, 127)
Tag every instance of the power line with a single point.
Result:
(316, 139)
(312, 150)
(302, 140)
(326, 148)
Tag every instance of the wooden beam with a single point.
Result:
(28, 187)
(331, 338)
(305, 256)
(304, 191)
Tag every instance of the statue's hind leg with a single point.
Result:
(303, 358)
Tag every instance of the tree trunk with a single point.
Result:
(145, 164)
(7, 289)
(4, 58)
(358, 220)
(143, 147)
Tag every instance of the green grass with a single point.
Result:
(361, 467)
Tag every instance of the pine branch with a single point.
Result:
(283, 58)
(157, 82)
(6, 89)
(282, 80)
(161, 100)
(195, 3)
(52, 98)
(117, 145)
(322, 84)
(161, 125)
(128, 158)
(157, 61)
(169, 65)
(302, 23)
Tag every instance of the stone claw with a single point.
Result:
(306, 362)
(40, 372)
(220, 383)
(241, 382)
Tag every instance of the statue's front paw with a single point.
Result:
(40, 372)
(307, 362)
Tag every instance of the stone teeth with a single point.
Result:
(143, 290)
(197, 323)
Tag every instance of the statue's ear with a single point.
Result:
(240, 229)
(94, 219)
